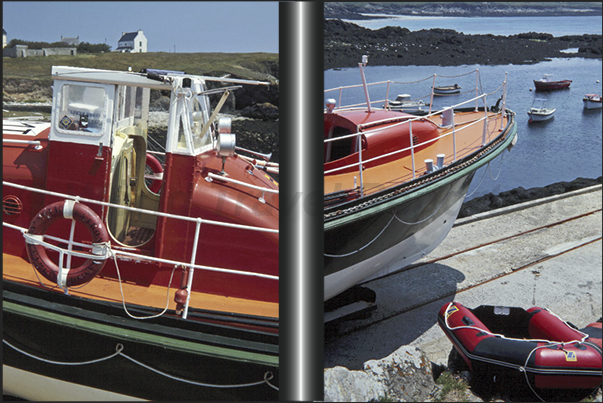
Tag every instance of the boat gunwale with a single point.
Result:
(340, 214)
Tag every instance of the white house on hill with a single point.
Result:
(132, 42)
(71, 41)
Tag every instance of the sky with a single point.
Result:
(183, 27)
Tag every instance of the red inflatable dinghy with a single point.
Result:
(549, 352)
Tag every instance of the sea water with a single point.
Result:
(557, 25)
(562, 149)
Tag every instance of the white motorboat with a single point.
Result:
(592, 101)
(447, 90)
(540, 112)
(405, 104)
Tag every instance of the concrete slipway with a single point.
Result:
(543, 253)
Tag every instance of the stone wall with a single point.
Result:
(23, 51)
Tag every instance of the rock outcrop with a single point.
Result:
(491, 201)
(367, 10)
(405, 376)
(345, 43)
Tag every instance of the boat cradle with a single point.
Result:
(549, 352)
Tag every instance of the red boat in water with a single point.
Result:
(532, 344)
(158, 269)
(545, 84)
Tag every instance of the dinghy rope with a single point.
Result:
(524, 368)
(267, 377)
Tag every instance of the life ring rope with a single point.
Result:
(99, 250)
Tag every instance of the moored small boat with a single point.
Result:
(405, 104)
(545, 84)
(592, 101)
(134, 273)
(447, 89)
(540, 113)
(533, 345)
(394, 182)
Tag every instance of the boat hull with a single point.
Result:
(588, 104)
(58, 329)
(551, 85)
(373, 236)
(448, 90)
(412, 109)
(395, 237)
(538, 117)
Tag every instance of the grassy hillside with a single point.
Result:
(256, 66)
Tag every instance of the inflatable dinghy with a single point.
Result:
(550, 353)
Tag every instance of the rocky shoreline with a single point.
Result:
(345, 42)
(424, 381)
(518, 195)
(361, 11)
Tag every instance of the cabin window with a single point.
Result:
(132, 107)
(193, 132)
(82, 109)
(340, 148)
(199, 117)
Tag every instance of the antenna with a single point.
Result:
(366, 94)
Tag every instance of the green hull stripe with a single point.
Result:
(156, 340)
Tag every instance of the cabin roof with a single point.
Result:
(106, 77)
(131, 78)
(362, 117)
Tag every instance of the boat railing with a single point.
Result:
(36, 143)
(110, 251)
(347, 87)
(406, 120)
(390, 83)
(264, 190)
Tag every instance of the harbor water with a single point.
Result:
(554, 25)
(562, 149)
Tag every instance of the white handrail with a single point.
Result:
(413, 146)
(151, 212)
(226, 179)
(143, 257)
(36, 143)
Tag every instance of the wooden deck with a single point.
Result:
(400, 171)
(107, 289)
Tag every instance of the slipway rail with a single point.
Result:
(578, 222)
